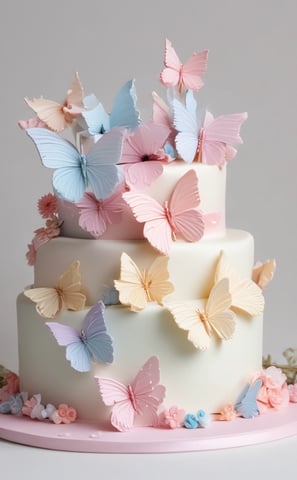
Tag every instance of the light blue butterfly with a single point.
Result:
(123, 114)
(188, 122)
(74, 172)
(246, 405)
(93, 342)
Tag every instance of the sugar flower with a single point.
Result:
(292, 389)
(64, 414)
(274, 391)
(44, 234)
(33, 407)
(13, 404)
(11, 386)
(203, 418)
(227, 413)
(31, 254)
(191, 421)
(172, 418)
(47, 205)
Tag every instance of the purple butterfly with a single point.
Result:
(93, 342)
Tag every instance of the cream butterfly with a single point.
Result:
(136, 288)
(215, 319)
(263, 273)
(67, 294)
(246, 295)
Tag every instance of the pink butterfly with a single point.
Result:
(143, 154)
(34, 122)
(187, 75)
(141, 397)
(178, 215)
(163, 115)
(96, 215)
(216, 137)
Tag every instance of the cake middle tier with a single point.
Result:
(191, 266)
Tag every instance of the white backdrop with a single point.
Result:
(252, 67)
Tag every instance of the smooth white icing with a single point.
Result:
(191, 266)
(193, 379)
(211, 185)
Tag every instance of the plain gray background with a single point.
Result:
(252, 67)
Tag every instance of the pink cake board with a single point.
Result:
(89, 437)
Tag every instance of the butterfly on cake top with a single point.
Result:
(116, 155)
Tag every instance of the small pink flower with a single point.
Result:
(51, 230)
(172, 418)
(11, 387)
(29, 405)
(47, 205)
(64, 414)
(274, 392)
(292, 389)
(31, 254)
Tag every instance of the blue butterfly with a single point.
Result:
(123, 114)
(246, 405)
(93, 342)
(74, 172)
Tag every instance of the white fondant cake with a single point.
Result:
(138, 223)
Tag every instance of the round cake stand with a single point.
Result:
(89, 437)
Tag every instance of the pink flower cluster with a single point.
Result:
(274, 392)
(48, 208)
(11, 386)
(172, 418)
(33, 408)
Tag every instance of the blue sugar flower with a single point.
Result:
(203, 418)
(190, 421)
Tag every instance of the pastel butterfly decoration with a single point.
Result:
(207, 140)
(246, 295)
(95, 215)
(57, 116)
(215, 319)
(176, 217)
(136, 288)
(141, 397)
(246, 405)
(143, 154)
(34, 122)
(123, 113)
(66, 295)
(91, 343)
(74, 172)
(263, 273)
(183, 76)
(110, 295)
(163, 115)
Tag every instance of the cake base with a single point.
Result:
(89, 437)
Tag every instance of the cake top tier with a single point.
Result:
(116, 158)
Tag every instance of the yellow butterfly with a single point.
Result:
(246, 295)
(263, 273)
(137, 288)
(215, 319)
(58, 116)
(67, 294)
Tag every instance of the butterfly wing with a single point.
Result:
(56, 152)
(186, 221)
(186, 316)
(70, 285)
(115, 394)
(171, 74)
(76, 352)
(130, 285)
(192, 70)
(102, 172)
(124, 113)
(94, 334)
(147, 391)
(148, 211)
(185, 122)
(157, 279)
(96, 118)
(48, 301)
(49, 111)
(246, 295)
(74, 97)
(218, 133)
(246, 405)
(218, 312)
(263, 273)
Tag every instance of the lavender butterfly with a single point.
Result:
(93, 342)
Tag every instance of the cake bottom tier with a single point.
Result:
(193, 379)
